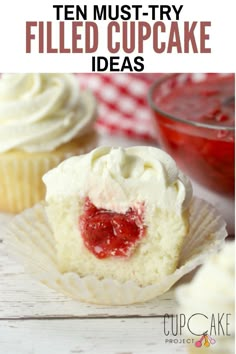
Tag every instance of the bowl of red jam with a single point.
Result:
(195, 119)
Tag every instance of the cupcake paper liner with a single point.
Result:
(21, 185)
(21, 173)
(30, 240)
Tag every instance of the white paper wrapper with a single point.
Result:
(30, 239)
(21, 173)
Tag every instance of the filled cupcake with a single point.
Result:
(211, 295)
(119, 226)
(44, 118)
(114, 211)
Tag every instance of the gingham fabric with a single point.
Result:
(122, 103)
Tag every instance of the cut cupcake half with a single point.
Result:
(119, 213)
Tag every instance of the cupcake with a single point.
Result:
(119, 213)
(211, 295)
(119, 226)
(44, 118)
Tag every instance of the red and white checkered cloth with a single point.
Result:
(122, 103)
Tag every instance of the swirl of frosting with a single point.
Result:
(39, 112)
(116, 178)
(211, 293)
(213, 286)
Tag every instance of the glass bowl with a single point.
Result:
(194, 116)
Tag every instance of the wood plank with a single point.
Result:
(21, 296)
(90, 336)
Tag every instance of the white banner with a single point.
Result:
(136, 36)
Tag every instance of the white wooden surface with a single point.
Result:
(37, 320)
(93, 336)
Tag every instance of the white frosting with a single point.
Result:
(116, 178)
(39, 112)
(212, 292)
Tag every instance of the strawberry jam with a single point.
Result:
(109, 234)
(196, 121)
(210, 101)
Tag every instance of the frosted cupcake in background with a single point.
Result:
(44, 118)
(211, 294)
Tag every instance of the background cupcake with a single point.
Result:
(211, 294)
(44, 118)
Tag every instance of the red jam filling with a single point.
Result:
(206, 155)
(109, 234)
(209, 101)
